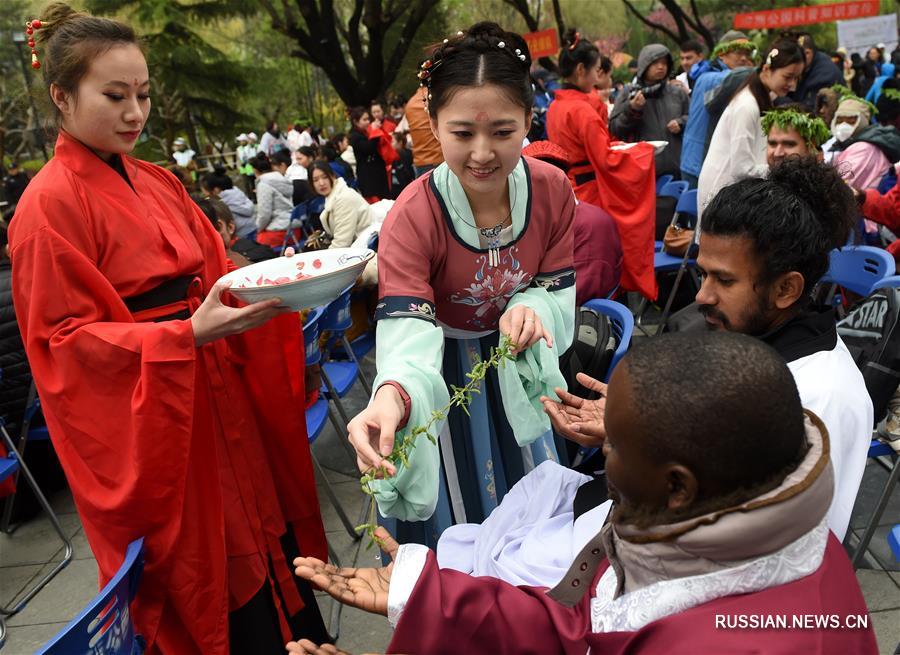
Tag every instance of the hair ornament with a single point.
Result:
(460, 33)
(30, 27)
(501, 44)
(575, 42)
(772, 54)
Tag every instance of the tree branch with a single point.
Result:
(354, 43)
(417, 16)
(651, 24)
(560, 23)
(524, 10)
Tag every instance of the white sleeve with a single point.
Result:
(408, 566)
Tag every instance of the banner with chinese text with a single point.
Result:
(791, 16)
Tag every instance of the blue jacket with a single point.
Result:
(694, 142)
(887, 72)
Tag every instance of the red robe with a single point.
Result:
(158, 438)
(451, 612)
(622, 182)
(885, 209)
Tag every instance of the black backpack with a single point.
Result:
(870, 332)
(591, 351)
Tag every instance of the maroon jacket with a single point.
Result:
(451, 612)
(598, 253)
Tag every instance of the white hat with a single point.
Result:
(252, 136)
(241, 137)
(180, 142)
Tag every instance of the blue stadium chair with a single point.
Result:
(673, 189)
(885, 456)
(105, 625)
(663, 262)
(623, 328)
(622, 324)
(661, 182)
(894, 541)
(10, 466)
(320, 412)
(339, 376)
(859, 269)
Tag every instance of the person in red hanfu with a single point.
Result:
(620, 181)
(155, 392)
(717, 542)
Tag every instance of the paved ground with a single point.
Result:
(22, 558)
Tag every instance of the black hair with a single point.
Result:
(475, 58)
(261, 163)
(215, 210)
(806, 41)
(606, 64)
(217, 180)
(691, 45)
(355, 113)
(309, 151)
(733, 449)
(795, 217)
(784, 52)
(329, 153)
(282, 156)
(323, 166)
(398, 100)
(888, 108)
(4, 238)
(576, 50)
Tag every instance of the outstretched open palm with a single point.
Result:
(366, 589)
(579, 419)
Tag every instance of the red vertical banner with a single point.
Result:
(543, 44)
(791, 16)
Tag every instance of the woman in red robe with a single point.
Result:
(622, 182)
(145, 377)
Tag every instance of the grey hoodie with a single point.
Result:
(665, 103)
(274, 193)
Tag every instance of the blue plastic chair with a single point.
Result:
(622, 324)
(880, 453)
(859, 269)
(661, 182)
(339, 376)
(673, 189)
(320, 412)
(623, 328)
(105, 625)
(894, 541)
(10, 466)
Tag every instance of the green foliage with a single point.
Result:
(460, 397)
(811, 128)
(891, 94)
(845, 93)
(731, 46)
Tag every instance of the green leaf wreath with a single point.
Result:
(845, 93)
(811, 128)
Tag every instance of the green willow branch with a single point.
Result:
(460, 397)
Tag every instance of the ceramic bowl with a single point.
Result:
(308, 279)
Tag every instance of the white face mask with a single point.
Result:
(843, 131)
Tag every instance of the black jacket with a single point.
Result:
(370, 168)
(16, 374)
(821, 74)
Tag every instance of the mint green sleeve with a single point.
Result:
(409, 351)
(535, 372)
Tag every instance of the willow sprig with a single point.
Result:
(459, 397)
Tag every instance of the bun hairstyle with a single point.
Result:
(282, 157)
(70, 40)
(795, 216)
(260, 162)
(781, 53)
(576, 50)
(484, 54)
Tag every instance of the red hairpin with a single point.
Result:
(30, 27)
(575, 42)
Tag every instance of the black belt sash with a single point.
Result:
(167, 293)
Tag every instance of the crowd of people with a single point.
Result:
(496, 220)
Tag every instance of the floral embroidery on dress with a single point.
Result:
(492, 289)
(554, 281)
(491, 484)
(399, 307)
